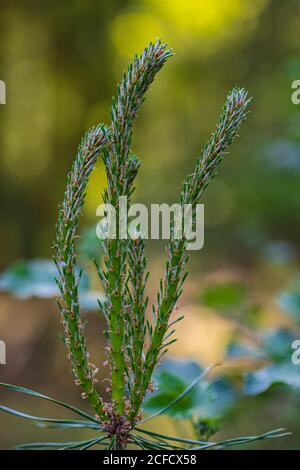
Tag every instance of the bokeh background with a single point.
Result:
(61, 62)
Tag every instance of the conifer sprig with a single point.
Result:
(136, 320)
(135, 345)
(232, 116)
(121, 169)
(65, 258)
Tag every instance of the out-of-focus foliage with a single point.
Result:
(170, 380)
(36, 278)
(209, 401)
(224, 297)
(232, 300)
(30, 279)
(289, 300)
(269, 351)
(276, 349)
(274, 346)
(277, 374)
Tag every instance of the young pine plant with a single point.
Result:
(135, 344)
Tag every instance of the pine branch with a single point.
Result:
(65, 258)
(232, 116)
(121, 169)
(136, 319)
(124, 276)
(124, 279)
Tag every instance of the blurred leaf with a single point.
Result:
(277, 345)
(224, 398)
(224, 296)
(170, 387)
(187, 370)
(289, 300)
(208, 401)
(237, 350)
(30, 279)
(35, 278)
(274, 346)
(172, 379)
(206, 427)
(259, 381)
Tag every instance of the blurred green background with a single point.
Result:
(61, 62)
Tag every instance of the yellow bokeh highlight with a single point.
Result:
(132, 31)
(206, 24)
(97, 183)
(207, 17)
